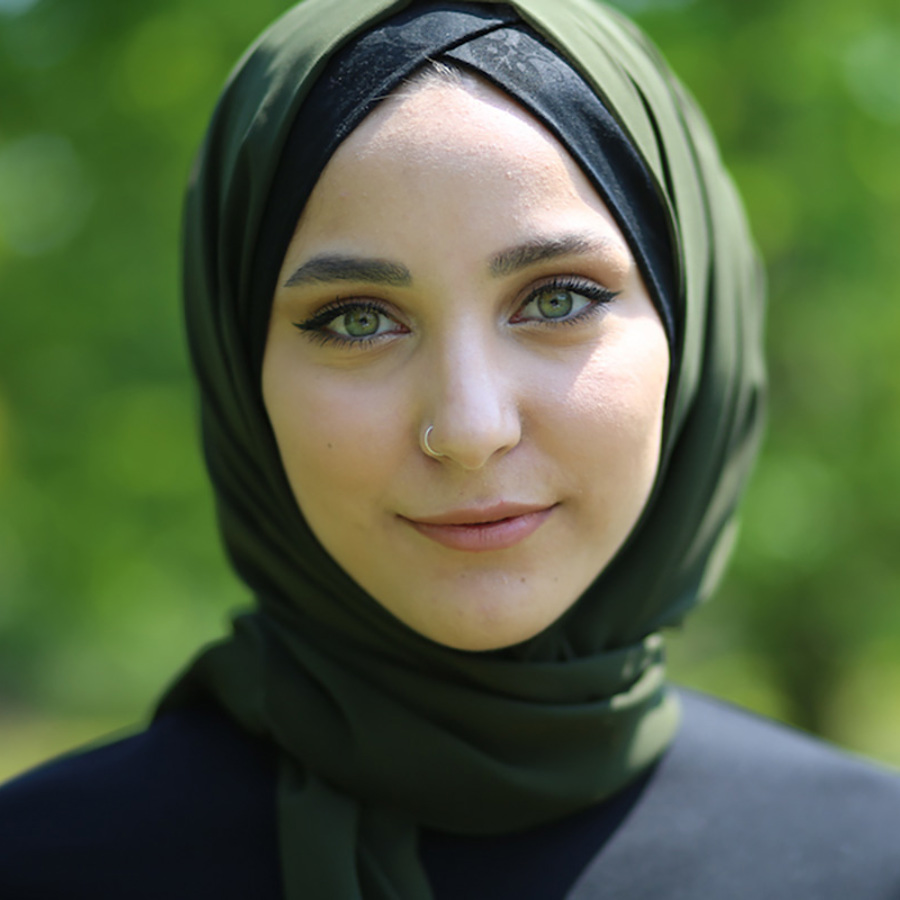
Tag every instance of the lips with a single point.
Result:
(479, 530)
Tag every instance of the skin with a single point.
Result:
(443, 217)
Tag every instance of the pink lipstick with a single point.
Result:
(496, 527)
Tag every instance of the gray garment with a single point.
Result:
(741, 808)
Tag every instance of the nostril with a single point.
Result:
(471, 443)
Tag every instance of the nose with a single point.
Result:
(473, 404)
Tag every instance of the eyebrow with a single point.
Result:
(334, 267)
(350, 268)
(506, 262)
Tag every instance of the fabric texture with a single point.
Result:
(380, 730)
(186, 810)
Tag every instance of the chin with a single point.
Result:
(491, 626)
(484, 642)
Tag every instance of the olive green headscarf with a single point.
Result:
(379, 729)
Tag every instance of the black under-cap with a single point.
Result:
(506, 52)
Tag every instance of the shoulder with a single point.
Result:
(743, 807)
(183, 809)
(766, 765)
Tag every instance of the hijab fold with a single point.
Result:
(381, 731)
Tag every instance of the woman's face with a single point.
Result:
(454, 268)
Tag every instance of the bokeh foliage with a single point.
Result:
(110, 569)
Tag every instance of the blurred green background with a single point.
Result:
(110, 570)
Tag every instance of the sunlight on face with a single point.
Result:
(453, 267)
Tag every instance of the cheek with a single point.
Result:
(616, 406)
(338, 436)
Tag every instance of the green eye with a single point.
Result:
(360, 322)
(353, 322)
(554, 304)
(564, 300)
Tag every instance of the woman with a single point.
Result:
(476, 321)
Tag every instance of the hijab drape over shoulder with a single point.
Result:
(379, 729)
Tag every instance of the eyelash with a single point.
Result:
(600, 298)
(316, 325)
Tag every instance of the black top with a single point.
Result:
(739, 808)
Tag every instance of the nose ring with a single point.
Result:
(426, 446)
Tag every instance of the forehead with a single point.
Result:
(473, 118)
(469, 147)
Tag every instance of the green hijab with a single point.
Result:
(379, 729)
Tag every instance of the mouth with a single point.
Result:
(497, 527)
